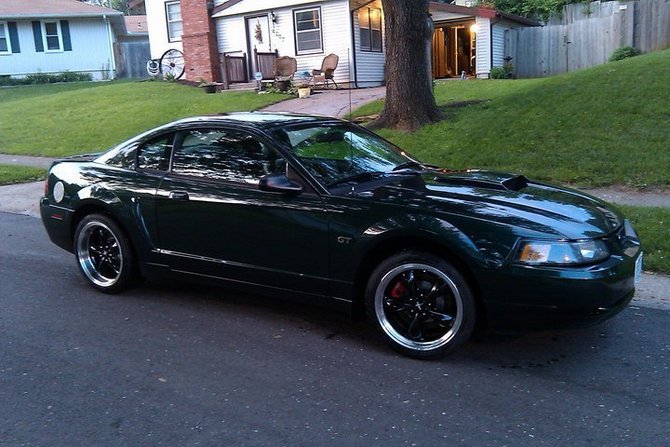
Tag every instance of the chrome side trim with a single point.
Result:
(240, 264)
(237, 281)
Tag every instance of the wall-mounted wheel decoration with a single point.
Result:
(172, 64)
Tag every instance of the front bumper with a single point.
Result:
(524, 297)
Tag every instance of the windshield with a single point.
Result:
(333, 153)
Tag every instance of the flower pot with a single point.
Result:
(304, 92)
(209, 88)
(282, 85)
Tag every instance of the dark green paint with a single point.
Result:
(317, 244)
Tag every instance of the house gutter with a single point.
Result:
(353, 48)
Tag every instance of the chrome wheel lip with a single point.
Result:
(85, 259)
(391, 331)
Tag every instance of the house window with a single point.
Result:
(5, 45)
(52, 36)
(174, 23)
(307, 24)
(370, 24)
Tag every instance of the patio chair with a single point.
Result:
(325, 74)
(285, 68)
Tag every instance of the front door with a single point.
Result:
(258, 38)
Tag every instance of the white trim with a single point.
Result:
(59, 35)
(170, 38)
(5, 26)
(298, 51)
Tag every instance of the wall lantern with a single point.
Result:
(273, 17)
(474, 28)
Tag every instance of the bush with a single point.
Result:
(624, 53)
(498, 73)
(46, 78)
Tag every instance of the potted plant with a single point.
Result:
(208, 87)
(304, 90)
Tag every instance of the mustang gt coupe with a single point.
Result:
(325, 210)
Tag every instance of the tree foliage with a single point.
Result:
(536, 9)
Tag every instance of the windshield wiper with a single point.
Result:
(407, 165)
(359, 177)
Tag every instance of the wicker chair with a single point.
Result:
(325, 74)
(285, 68)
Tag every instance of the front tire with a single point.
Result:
(421, 303)
(104, 254)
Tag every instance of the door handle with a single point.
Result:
(178, 195)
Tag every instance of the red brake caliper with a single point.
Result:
(398, 290)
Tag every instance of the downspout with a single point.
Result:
(353, 47)
(110, 41)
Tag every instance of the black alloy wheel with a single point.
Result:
(421, 303)
(104, 254)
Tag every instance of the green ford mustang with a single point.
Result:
(326, 210)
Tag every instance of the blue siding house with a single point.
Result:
(53, 36)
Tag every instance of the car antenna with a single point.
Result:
(351, 118)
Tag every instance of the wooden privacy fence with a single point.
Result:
(233, 67)
(587, 34)
(131, 59)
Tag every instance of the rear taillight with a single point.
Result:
(46, 187)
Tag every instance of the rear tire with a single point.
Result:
(104, 254)
(421, 303)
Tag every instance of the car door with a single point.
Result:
(213, 220)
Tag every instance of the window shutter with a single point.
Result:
(37, 34)
(65, 28)
(14, 37)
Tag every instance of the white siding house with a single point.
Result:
(53, 36)
(467, 41)
(369, 60)
(250, 25)
(165, 26)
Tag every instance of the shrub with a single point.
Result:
(498, 73)
(46, 78)
(623, 53)
(504, 72)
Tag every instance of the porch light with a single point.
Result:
(474, 28)
(273, 17)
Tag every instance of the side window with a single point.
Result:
(124, 158)
(219, 154)
(175, 27)
(155, 154)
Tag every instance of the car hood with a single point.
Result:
(507, 199)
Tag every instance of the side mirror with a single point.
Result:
(278, 182)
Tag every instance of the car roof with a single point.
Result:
(257, 120)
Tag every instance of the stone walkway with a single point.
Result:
(337, 103)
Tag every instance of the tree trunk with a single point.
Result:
(409, 84)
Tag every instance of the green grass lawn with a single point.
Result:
(653, 227)
(10, 174)
(601, 126)
(65, 119)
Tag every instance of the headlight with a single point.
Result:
(561, 253)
